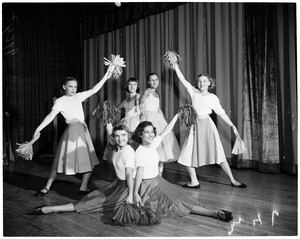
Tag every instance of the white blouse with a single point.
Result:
(204, 104)
(148, 158)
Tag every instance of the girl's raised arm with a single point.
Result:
(169, 127)
(181, 76)
(98, 86)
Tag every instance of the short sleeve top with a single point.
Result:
(123, 159)
(204, 104)
(71, 107)
(148, 158)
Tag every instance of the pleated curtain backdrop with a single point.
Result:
(209, 38)
(206, 36)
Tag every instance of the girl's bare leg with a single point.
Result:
(227, 170)
(193, 175)
(51, 179)
(85, 181)
(69, 207)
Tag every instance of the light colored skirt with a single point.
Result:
(75, 152)
(105, 199)
(202, 146)
(131, 122)
(167, 199)
(169, 148)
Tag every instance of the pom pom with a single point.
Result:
(115, 65)
(25, 150)
(170, 59)
(147, 216)
(106, 112)
(126, 214)
(187, 115)
(239, 146)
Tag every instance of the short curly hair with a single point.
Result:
(136, 137)
(111, 140)
(212, 80)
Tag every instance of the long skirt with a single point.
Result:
(166, 199)
(103, 200)
(169, 148)
(202, 146)
(75, 152)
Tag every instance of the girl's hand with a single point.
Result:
(129, 199)
(235, 131)
(137, 199)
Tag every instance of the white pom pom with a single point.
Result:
(118, 4)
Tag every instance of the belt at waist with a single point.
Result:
(76, 123)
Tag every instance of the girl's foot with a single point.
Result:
(238, 184)
(41, 210)
(41, 193)
(224, 216)
(191, 186)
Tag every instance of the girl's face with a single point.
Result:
(121, 138)
(203, 83)
(147, 135)
(132, 86)
(153, 81)
(70, 88)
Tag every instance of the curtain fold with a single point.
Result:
(47, 49)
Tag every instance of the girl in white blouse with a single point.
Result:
(203, 145)
(151, 190)
(109, 197)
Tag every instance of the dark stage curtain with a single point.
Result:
(269, 134)
(41, 46)
(241, 49)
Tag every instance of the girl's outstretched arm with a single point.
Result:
(169, 127)
(129, 180)
(98, 86)
(47, 120)
(137, 183)
(228, 121)
(181, 76)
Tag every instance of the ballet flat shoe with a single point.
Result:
(38, 211)
(242, 185)
(228, 216)
(188, 186)
(81, 192)
(40, 193)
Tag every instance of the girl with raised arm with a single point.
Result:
(203, 145)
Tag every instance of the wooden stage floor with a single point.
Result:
(268, 207)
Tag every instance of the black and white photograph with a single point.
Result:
(149, 119)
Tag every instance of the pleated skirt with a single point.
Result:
(202, 146)
(75, 152)
(166, 199)
(105, 199)
(169, 148)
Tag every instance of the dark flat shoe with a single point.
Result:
(40, 193)
(188, 186)
(242, 185)
(38, 211)
(81, 192)
(228, 216)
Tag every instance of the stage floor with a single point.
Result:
(268, 207)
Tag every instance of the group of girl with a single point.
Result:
(138, 174)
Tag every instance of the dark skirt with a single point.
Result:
(103, 200)
(167, 199)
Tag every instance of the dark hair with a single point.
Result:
(111, 140)
(136, 137)
(65, 81)
(132, 79)
(212, 80)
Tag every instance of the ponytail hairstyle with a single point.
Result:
(212, 80)
(136, 137)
